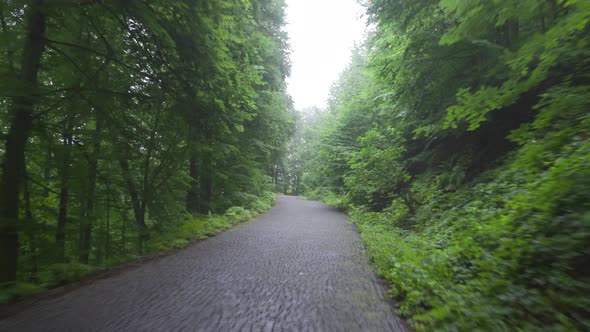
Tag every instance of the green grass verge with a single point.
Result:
(167, 239)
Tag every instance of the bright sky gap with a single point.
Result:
(322, 34)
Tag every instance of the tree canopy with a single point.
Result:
(125, 119)
(458, 139)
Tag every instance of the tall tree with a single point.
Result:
(21, 112)
(147, 111)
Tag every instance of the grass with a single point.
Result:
(166, 240)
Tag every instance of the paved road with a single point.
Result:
(300, 267)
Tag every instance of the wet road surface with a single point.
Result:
(300, 267)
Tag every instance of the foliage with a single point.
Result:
(494, 262)
(459, 141)
(130, 127)
(175, 236)
(20, 289)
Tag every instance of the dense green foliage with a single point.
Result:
(128, 125)
(459, 140)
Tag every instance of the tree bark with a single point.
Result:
(136, 203)
(123, 231)
(205, 172)
(60, 237)
(205, 185)
(29, 229)
(18, 134)
(88, 217)
(192, 194)
(108, 231)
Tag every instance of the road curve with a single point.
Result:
(300, 267)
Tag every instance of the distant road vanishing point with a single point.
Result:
(300, 267)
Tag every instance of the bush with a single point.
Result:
(237, 213)
(336, 201)
(178, 235)
(56, 274)
(506, 253)
(7, 294)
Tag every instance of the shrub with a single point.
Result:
(56, 274)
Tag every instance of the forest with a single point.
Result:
(458, 139)
(131, 127)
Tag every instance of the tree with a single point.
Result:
(458, 137)
(126, 119)
(21, 112)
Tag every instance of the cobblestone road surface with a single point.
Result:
(300, 267)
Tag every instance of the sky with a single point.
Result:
(322, 34)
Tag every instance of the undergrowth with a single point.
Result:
(173, 237)
(508, 252)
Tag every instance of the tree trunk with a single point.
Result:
(142, 230)
(16, 139)
(136, 203)
(205, 185)
(30, 228)
(123, 231)
(108, 231)
(60, 237)
(205, 172)
(297, 185)
(89, 216)
(192, 194)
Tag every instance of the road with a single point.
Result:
(300, 267)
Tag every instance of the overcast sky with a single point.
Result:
(322, 34)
